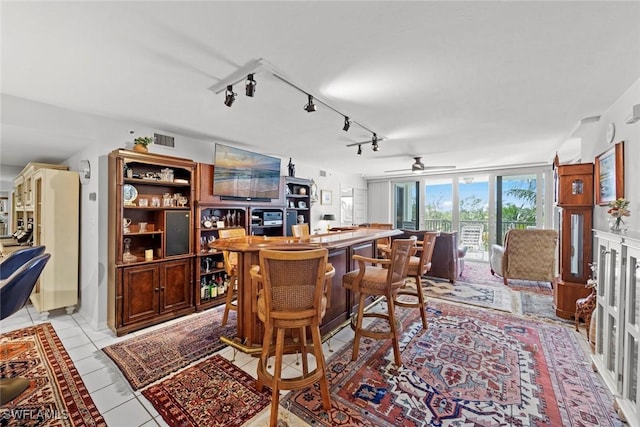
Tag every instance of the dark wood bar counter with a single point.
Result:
(342, 245)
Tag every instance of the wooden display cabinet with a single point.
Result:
(150, 239)
(574, 195)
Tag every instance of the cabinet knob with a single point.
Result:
(157, 289)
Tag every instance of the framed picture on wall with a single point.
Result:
(326, 197)
(609, 174)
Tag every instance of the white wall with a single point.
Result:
(595, 143)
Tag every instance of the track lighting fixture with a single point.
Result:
(250, 85)
(246, 75)
(347, 123)
(374, 143)
(229, 96)
(310, 107)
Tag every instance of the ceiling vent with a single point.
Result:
(164, 140)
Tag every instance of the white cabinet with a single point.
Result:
(618, 319)
(49, 196)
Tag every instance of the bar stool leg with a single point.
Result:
(320, 364)
(356, 338)
(264, 357)
(228, 302)
(422, 306)
(277, 374)
(394, 330)
(303, 351)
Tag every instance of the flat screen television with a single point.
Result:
(244, 175)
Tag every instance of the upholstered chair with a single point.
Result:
(231, 267)
(384, 278)
(528, 254)
(294, 290)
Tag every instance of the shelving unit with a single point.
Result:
(209, 270)
(297, 202)
(151, 248)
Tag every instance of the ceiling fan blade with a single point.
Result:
(438, 167)
(398, 170)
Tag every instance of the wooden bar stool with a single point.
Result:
(294, 294)
(383, 280)
(231, 267)
(418, 267)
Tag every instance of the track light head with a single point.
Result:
(229, 96)
(310, 107)
(250, 85)
(359, 150)
(374, 143)
(347, 123)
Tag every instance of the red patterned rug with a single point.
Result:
(212, 393)
(472, 367)
(56, 396)
(146, 358)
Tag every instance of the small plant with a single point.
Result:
(617, 210)
(143, 140)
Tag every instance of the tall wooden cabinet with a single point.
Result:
(617, 316)
(46, 204)
(151, 248)
(574, 197)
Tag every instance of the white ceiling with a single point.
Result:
(473, 84)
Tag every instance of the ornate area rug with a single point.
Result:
(146, 358)
(479, 273)
(495, 297)
(57, 395)
(213, 392)
(472, 367)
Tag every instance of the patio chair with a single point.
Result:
(471, 237)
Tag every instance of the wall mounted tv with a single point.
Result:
(244, 175)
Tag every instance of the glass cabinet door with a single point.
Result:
(632, 326)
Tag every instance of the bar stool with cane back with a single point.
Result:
(300, 230)
(294, 294)
(418, 267)
(384, 280)
(231, 266)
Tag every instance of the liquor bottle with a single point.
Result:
(219, 284)
(227, 284)
(203, 289)
(221, 287)
(213, 288)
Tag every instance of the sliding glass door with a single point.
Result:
(406, 205)
(438, 207)
(516, 203)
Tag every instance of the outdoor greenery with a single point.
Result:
(518, 212)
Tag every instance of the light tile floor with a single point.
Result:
(118, 403)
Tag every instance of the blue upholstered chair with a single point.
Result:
(14, 294)
(17, 259)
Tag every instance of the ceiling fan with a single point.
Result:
(418, 167)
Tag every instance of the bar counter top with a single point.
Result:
(341, 245)
(331, 240)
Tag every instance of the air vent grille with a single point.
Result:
(164, 140)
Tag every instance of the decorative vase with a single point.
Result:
(140, 148)
(617, 224)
